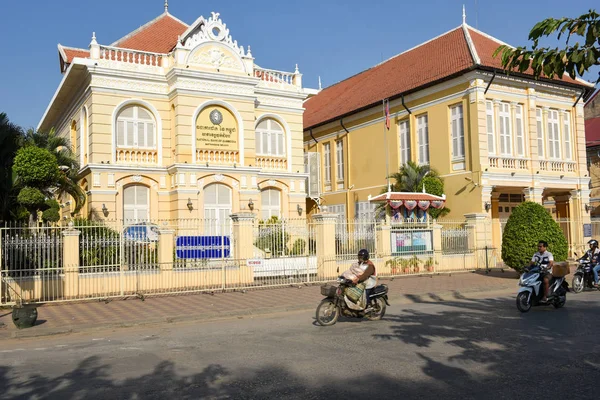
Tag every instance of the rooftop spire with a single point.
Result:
(464, 15)
(166, 6)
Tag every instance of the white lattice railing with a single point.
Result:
(558, 166)
(134, 156)
(271, 162)
(131, 56)
(269, 75)
(226, 157)
(509, 163)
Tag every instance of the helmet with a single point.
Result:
(364, 254)
(593, 242)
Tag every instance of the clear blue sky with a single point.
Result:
(331, 38)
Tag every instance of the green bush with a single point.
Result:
(31, 198)
(527, 225)
(435, 186)
(36, 167)
(272, 236)
(52, 213)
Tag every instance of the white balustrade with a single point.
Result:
(558, 166)
(224, 157)
(509, 163)
(273, 76)
(136, 156)
(271, 162)
(131, 56)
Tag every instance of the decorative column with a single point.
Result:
(480, 235)
(70, 258)
(325, 238)
(532, 129)
(534, 194)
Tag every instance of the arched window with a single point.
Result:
(74, 137)
(270, 200)
(136, 128)
(270, 138)
(217, 208)
(136, 203)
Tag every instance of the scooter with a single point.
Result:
(531, 292)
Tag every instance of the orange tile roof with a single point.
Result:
(436, 60)
(157, 36)
(71, 53)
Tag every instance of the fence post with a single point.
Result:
(325, 238)
(479, 237)
(438, 254)
(165, 258)
(243, 240)
(384, 248)
(70, 257)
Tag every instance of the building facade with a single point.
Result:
(592, 135)
(176, 121)
(496, 139)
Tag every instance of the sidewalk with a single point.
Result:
(80, 317)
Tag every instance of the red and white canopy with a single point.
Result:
(410, 200)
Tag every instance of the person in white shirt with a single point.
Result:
(545, 260)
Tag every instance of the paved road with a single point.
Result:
(464, 349)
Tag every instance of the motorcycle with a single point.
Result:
(334, 304)
(531, 291)
(583, 277)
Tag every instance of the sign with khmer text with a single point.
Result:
(216, 129)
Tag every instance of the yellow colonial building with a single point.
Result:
(496, 139)
(177, 121)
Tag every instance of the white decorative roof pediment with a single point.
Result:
(210, 43)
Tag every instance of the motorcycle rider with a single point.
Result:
(369, 275)
(545, 260)
(593, 256)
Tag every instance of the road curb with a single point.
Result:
(395, 299)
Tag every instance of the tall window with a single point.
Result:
(553, 135)
(270, 138)
(567, 135)
(339, 158)
(423, 139)
(74, 137)
(136, 128)
(270, 200)
(327, 161)
(504, 124)
(404, 142)
(136, 203)
(540, 131)
(520, 137)
(458, 132)
(217, 208)
(489, 112)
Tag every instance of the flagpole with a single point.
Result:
(387, 162)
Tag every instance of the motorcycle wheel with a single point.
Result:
(327, 313)
(522, 303)
(379, 311)
(578, 284)
(560, 302)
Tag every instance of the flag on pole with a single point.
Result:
(387, 114)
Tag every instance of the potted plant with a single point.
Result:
(405, 262)
(429, 264)
(414, 263)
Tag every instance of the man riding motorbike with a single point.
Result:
(593, 256)
(545, 260)
(369, 275)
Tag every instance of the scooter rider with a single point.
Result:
(545, 260)
(593, 256)
(369, 275)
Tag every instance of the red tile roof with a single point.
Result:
(438, 59)
(157, 36)
(592, 131)
(71, 53)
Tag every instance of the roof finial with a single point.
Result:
(93, 39)
(166, 6)
(464, 15)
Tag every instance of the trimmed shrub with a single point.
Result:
(31, 198)
(36, 167)
(527, 225)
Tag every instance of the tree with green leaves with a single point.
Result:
(11, 137)
(574, 59)
(60, 147)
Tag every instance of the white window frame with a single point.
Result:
(504, 125)
(339, 158)
(553, 125)
(539, 118)
(423, 139)
(135, 206)
(220, 223)
(135, 121)
(327, 162)
(491, 132)
(519, 131)
(567, 135)
(270, 209)
(458, 132)
(404, 133)
(268, 134)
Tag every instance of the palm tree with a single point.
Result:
(67, 163)
(11, 137)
